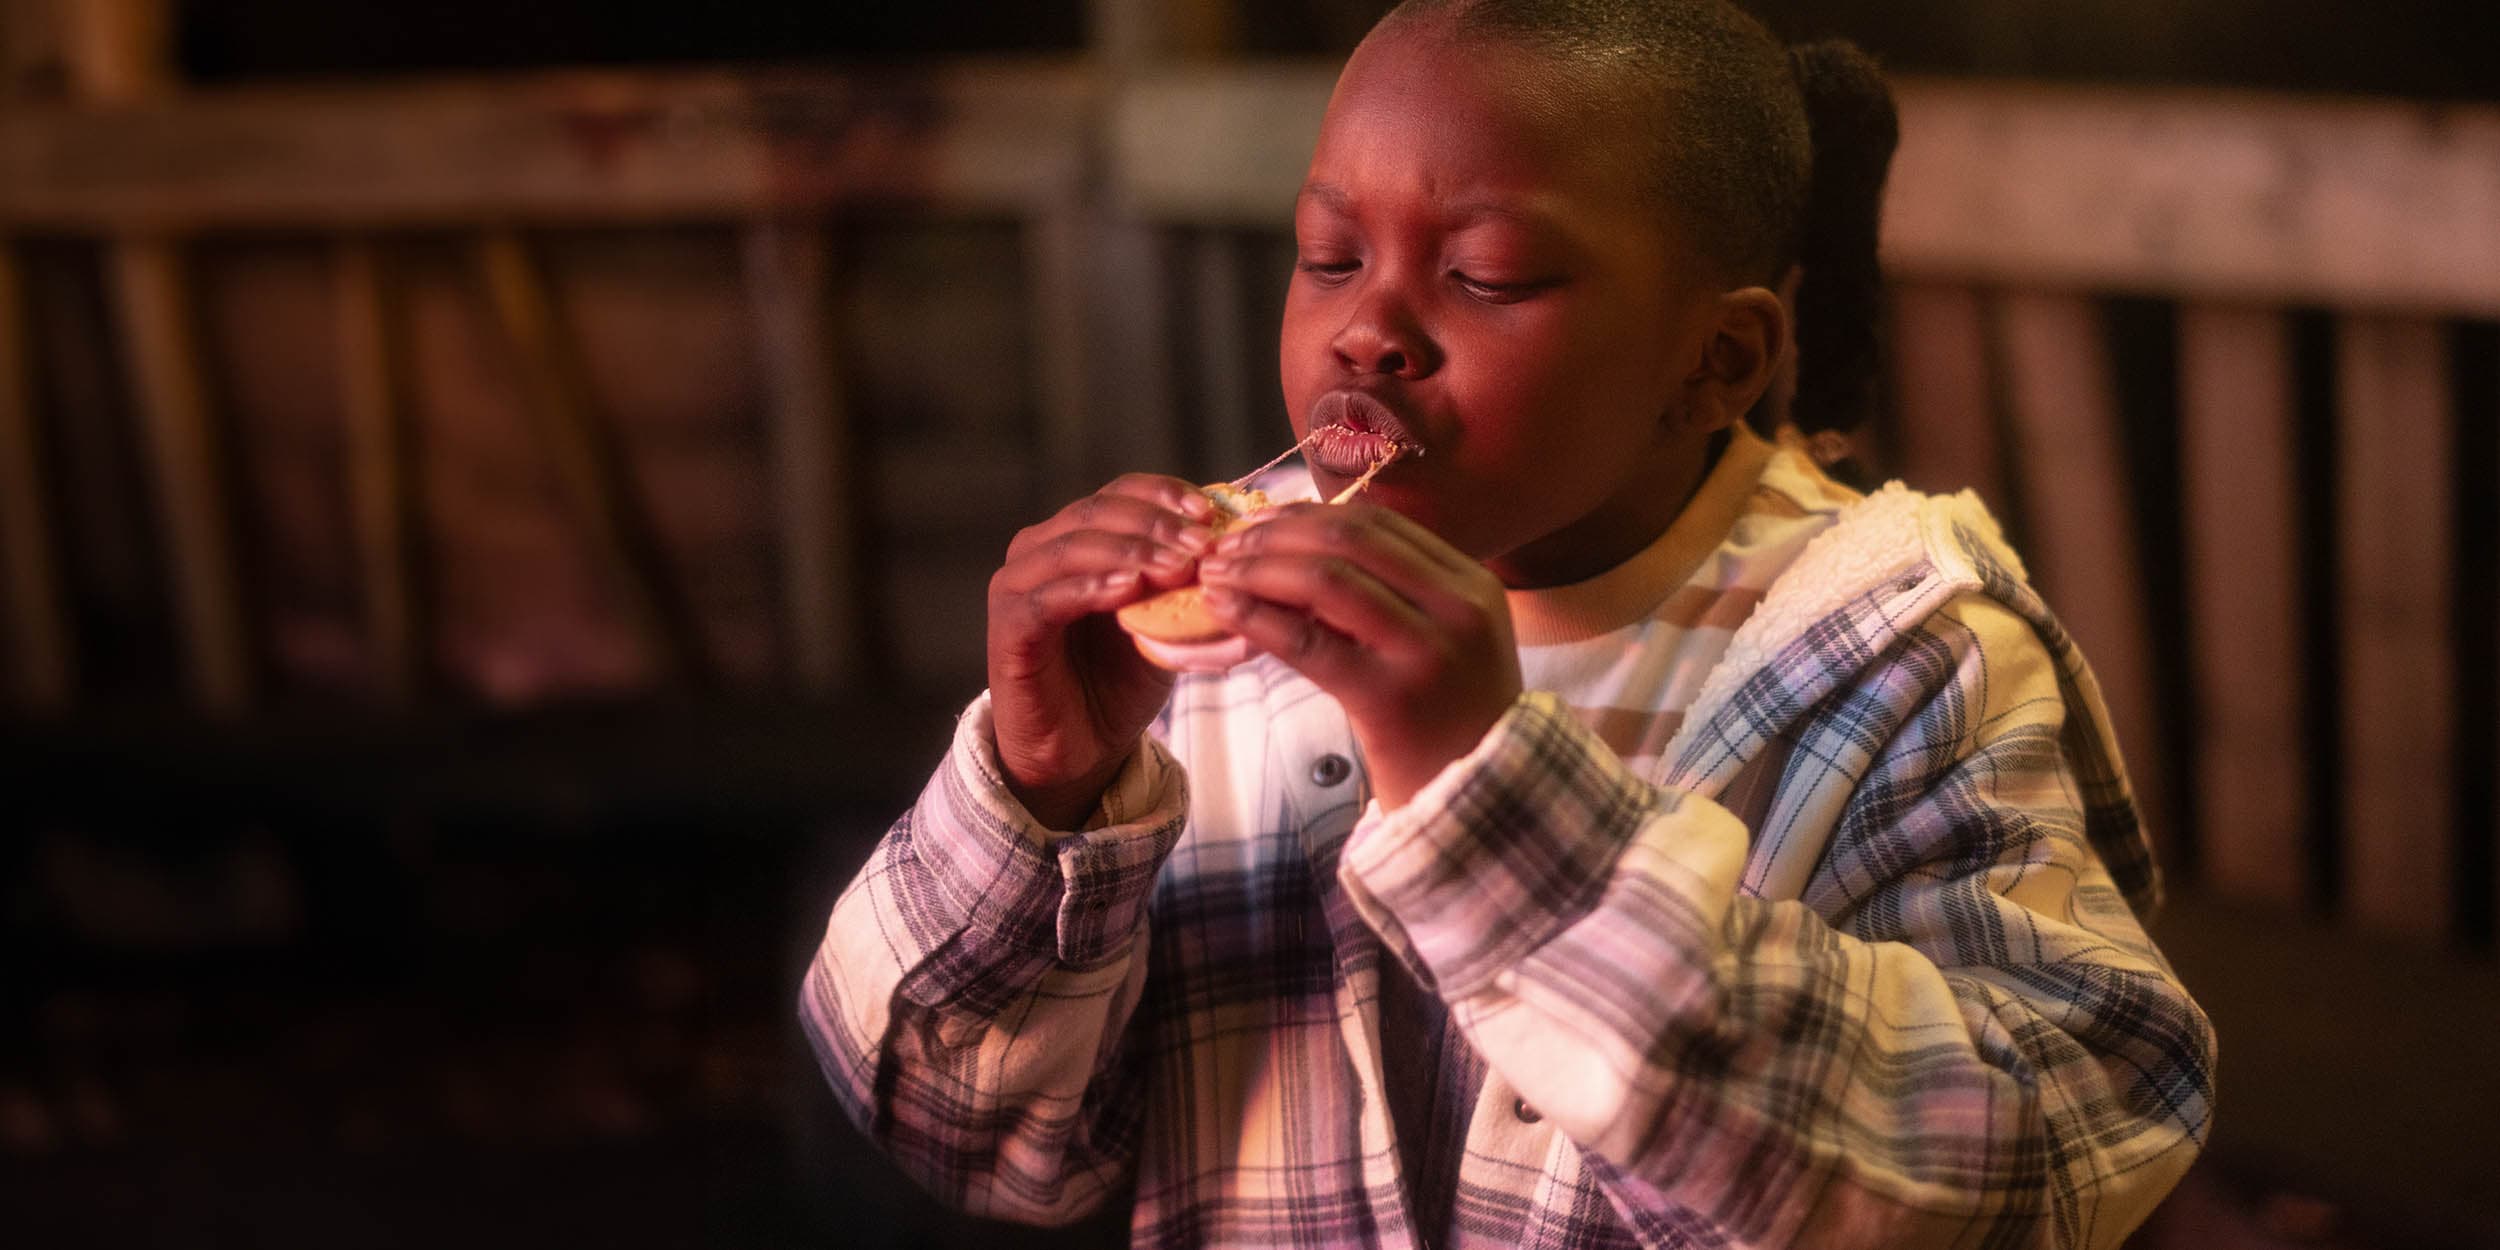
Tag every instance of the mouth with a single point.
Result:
(1351, 432)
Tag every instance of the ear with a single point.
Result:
(1740, 354)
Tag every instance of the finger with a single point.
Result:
(1159, 494)
(1115, 514)
(1360, 534)
(1054, 605)
(1330, 659)
(1167, 509)
(1082, 552)
(1169, 492)
(1337, 593)
(1427, 544)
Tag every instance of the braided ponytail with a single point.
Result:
(1849, 113)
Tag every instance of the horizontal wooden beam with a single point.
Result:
(1217, 146)
(2206, 194)
(2209, 194)
(564, 146)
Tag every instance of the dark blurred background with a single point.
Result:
(2418, 49)
(495, 501)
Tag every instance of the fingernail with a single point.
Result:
(1195, 539)
(1213, 566)
(1168, 559)
(1223, 602)
(1122, 580)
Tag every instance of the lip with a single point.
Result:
(1351, 431)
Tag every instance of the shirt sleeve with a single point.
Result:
(1958, 1035)
(975, 979)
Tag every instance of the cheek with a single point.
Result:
(1553, 386)
(1298, 357)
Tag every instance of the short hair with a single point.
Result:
(1767, 157)
(1733, 156)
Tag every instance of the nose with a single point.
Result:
(1383, 336)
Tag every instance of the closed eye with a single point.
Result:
(1326, 271)
(1495, 291)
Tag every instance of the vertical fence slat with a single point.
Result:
(1946, 438)
(2478, 410)
(42, 650)
(1119, 274)
(2238, 470)
(380, 489)
(2071, 462)
(1056, 245)
(1223, 410)
(2395, 515)
(153, 293)
(787, 267)
(597, 489)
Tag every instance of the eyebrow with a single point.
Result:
(1329, 194)
(1336, 199)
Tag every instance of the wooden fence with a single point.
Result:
(2280, 563)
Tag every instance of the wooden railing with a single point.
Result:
(773, 156)
(2015, 211)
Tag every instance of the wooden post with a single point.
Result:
(380, 487)
(32, 60)
(1130, 34)
(1205, 29)
(600, 493)
(2477, 353)
(42, 647)
(120, 52)
(787, 267)
(2238, 470)
(188, 457)
(1947, 438)
(1102, 279)
(2079, 525)
(2394, 511)
(1231, 444)
(2480, 396)
(1056, 244)
(1121, 34)
(42, 659)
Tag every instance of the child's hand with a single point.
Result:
(1069, 694)
(1410, 635)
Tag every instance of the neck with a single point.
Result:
(1620, 529)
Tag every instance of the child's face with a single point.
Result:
(1481, 259)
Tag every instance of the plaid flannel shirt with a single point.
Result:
(1859, 965)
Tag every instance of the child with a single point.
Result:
(1628, 835)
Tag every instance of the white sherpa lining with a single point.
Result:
(1872, 541)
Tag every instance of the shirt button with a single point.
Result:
(1329, 770)
(1527, 1114)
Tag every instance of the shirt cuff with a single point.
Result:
(1507, 847)
(1080, 895)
